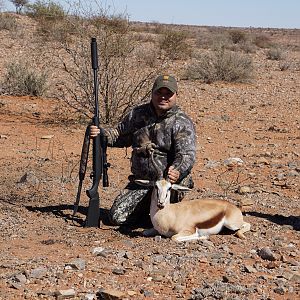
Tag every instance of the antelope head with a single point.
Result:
(161, 188)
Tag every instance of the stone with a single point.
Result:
(233, 161)
(64, 294)
(250, 269)
(119, 271)
(110, 294)
(267, 254)
(47, 137)
(242, 190)
(38, 272)
(77, 264)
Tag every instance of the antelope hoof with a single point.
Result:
(240, 235)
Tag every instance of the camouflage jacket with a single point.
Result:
(173, 135)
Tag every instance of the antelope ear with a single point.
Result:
(178, 187)
(144, 182)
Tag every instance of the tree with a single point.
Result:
(125, 78)
(19, 4)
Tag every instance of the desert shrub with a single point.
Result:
(42, 9)
(262, 41)
(237, 36)
(51, 19)
(221, 65)
(7, 22)
(124, 76)
(115, 23)
(19, 80)
(247, 46)
(148, 55)
(174, 44)
(284, 65)
(275, 53)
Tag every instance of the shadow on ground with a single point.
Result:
(293, 221)
(65, 211)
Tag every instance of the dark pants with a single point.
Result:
(132, 206)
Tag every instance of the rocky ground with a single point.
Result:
(46, 255)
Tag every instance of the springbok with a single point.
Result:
(190, 220)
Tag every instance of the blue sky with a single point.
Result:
(234, 13)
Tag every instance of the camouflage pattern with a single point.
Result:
(171, 136)
(132, 206)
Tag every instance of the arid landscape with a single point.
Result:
(44, 254)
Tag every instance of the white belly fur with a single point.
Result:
(213, 230)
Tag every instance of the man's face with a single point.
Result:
(163, 99)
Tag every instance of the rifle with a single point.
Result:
(100, 164)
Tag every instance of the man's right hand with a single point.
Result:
(94, 131)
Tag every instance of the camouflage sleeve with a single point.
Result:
(121, 136)
(185, 145)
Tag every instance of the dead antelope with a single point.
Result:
(191, 220)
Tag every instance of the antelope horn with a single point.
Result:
(181, 161)
(158, 170)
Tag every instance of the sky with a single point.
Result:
(229, 13)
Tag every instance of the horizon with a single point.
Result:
(266, 14)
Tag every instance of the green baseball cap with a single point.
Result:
(166, 81)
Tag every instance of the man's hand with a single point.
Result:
(173, 174)
(146, 148)
(94, 131)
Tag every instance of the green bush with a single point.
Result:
(42, 9)
(221, 65)
(20, 81)
(51, 19)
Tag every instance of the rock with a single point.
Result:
(64, 294)
(29, 177)
(20, 278)
(242, 190)
(76, 264)
(119, 271)
(90, 297)
(233, 162)
(128, 255)
(246, 202)
(212, 164)
(147, 293)
(267, 254)
(97, 250)
(131, 293)
(47, 137)
(271, 265)
(157, 238)
(110, 294)
(100, 251)
(279, 290)
(296, 278)
(38, 272)
(250, 269)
